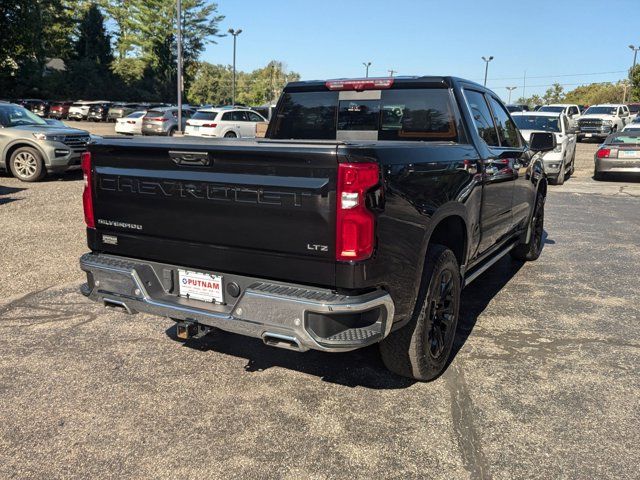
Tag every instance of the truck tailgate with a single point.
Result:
(218, 204)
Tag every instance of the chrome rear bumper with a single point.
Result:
(263, 309)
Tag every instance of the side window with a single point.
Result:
(254, 117)
(482, 117)
(238, 117)
(574, 111)
(227, 117)
(507, 130)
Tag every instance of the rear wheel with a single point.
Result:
(26, 164)
(533, 248)
(230, 135)
(172, 132)
(421, 349)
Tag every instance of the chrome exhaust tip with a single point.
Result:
(282, 341)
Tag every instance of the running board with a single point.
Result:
(489, 263)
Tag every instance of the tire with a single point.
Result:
(531, 250)
(421, 349)
(230, 135)
(26, 165)
(573, 163)
(598, 175)
(562, 175)
(172, 132)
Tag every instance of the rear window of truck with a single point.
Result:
(400, 114)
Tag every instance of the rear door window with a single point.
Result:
(507, 131)
(417, 114)
(482, 117)
(239, 117)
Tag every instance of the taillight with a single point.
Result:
(210, 125)
(360, 84)
(131, 122)
(87, 193)
(354, 222)
(607, 153)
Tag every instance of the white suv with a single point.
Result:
(224, 122)
(571, 111)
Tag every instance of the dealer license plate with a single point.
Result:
(200, 286)
(588, 135)
(628, 153)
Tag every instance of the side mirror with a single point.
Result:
(542, 141)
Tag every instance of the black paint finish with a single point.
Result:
(266, 208)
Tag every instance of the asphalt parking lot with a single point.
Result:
(544, 383)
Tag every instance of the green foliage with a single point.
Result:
(596, 93)
(634, 77)
(142, 32)
(591, 94)
(213, 84)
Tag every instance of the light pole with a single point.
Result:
(366, 66)
(486, 68)
(235, 34)
(179, 66)
(511, 89)
(635, 54)
(392, 72)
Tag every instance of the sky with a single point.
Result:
(571, 42)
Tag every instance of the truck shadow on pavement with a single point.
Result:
(5, 191)
(364, 367)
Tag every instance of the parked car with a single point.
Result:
(164, 121)
(59, 110)
(560, 162)
(619, 153)
(121, 110)
(601, 120)
(131, 124)
(571, 111)
(632, 126)
(30, 147)
(41, 108)
(377, 201)
(634, 109)
(80, 110)
(33, 104)
(518, 108)
(235, 123)
(98, 112)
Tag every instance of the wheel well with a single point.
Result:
(452, 233)
(543, 188)
(12, 149)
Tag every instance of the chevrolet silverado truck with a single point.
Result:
(601, 120)
(358, 220)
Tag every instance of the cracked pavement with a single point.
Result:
(544, 382)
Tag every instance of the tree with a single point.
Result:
(32, 31)
(90, 73)
(555, 94)
(634, 76)
(213, 84)
(154, 24)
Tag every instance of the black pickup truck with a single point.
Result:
(358, 220)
